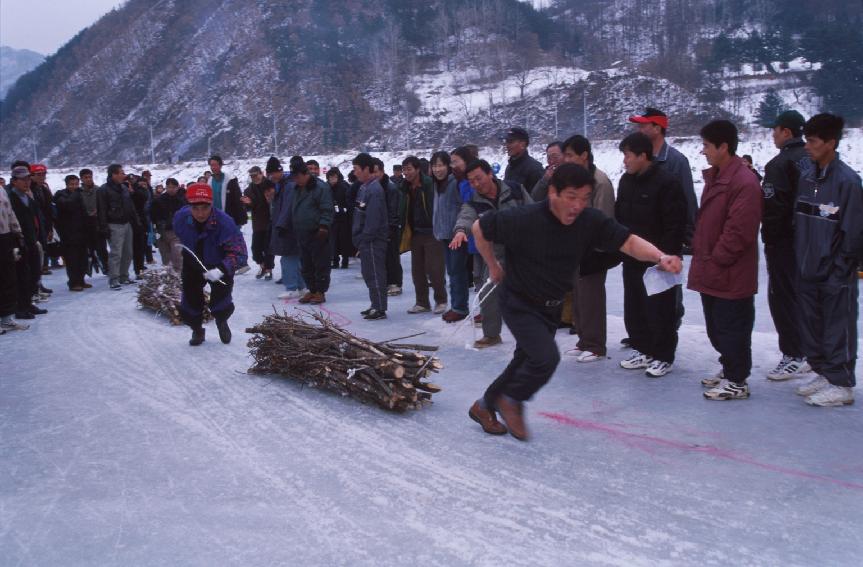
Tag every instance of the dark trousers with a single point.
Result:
(536, 354)
(427, 265)
(340, 241)
(28, 271)
(76, 260)
(782, 296)
(456, 269)
(588, 313)
(315, 261)
(373, 262)
(139, 248)
(192, 301)
(650, 320)
(8, 275)
(828, 327)
(260, 245)
(97, 246)
(729, 327)
(395, 274)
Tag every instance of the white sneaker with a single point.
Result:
(811, 387)
(728, 391)
(587, 356)
(658, 369)
(13, 326)
(418, 309)
(832, 396)
(788, 368)
(393, 290)
(636, 360)
(242, 270)
(573, 352)
(291, 294)
(714, 380)
(440, 309)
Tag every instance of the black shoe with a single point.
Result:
(625, 342)
(374, 315)
(279, 281)
(345, 265)
(335, 265)
(365, 312)
(37, 311)
(24, 315)
(115, 284)
(224, 331)
(268, 276)
(44, 289)
(197, 336)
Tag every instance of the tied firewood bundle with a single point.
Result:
(160, 291)
(314, 350)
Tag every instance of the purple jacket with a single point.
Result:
(222, 242)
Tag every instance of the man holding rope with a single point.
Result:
(213, 249)
(544, 244)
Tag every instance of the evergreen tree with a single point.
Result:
(770, 107)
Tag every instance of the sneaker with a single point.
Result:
(115, 284)
(260, 274)
(374, 315)
(574, 352)
(636, 360)
(12, 325)
(268, 275)
(658, 369)
(453, 316)
(242, 270)
(486, 342)
(418, 309)
(292, 294)
(224, 331)
(318, 298)
(440, 309)
(477, 321)
(728, 391)
(714, 380)
(37, 311)
(788, 368)
(587, 356)
(811, 387)
(394, 290)
(832, 396)
(307, 298)
(365, 312)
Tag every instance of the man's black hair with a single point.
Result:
(721, 132)
(412, 161)
(557, 144)
(20, 163)
(465, 153)
(297, 165)
(335, 172)
(397, 167)
(70, 177)
(478, 164)
(638, 144)
(570, 176)
(85, 171)
(441, 156)
(313, 162)
(114, 168)
(216, 158)
(364, 161)
(379, 164)
(424, 166)
(172, 181)
(825, 126)
(579, 144)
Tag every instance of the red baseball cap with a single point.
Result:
(199, 193)
(651, 116)
(38, 168)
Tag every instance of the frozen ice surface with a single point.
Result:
(122, 445)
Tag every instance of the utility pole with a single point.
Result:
(275, 139)
(209, 146)
(152, 150)
(35, 158)
(584, 108)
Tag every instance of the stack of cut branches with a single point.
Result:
(160, 291)
(387, 373)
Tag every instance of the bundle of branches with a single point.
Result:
(312, 349)
(160, 291)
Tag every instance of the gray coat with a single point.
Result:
(283, 242)
(509, 194)
(371, 220)
(676, 164)
(447, 205)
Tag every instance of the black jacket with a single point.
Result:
(71, 216)
(525, 170)
(164, 208)
(781, 178)
(418, 206)
(27, 215)
(340, 201)
(115, 206)
(259, 208)
(652, 206)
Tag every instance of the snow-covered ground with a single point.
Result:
(122, 445)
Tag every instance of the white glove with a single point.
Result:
(214, 275)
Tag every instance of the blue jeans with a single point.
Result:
(456, 269)
(291, 275)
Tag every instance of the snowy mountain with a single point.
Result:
(14, 63)
(177, 79)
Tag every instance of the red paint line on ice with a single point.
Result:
(337, 317)
(648, 442)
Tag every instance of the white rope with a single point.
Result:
(476, 304)
(195, 256)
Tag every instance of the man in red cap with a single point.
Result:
(214, 249)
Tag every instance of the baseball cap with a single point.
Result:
(517, 133)
(38, 168)
(199, 193)
(20, 172)
(790, 119)
(651, 116)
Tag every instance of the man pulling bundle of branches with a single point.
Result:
(159, 291)
(387, 373)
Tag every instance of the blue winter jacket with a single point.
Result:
(223, 244)
(283, 241)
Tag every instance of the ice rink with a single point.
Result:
(122, 445)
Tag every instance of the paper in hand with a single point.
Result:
(657, 281)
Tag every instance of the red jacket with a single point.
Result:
(725, 245)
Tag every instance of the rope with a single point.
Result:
(195, 256)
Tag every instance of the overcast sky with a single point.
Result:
(45, 25)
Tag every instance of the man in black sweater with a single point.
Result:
(538, 273)
(652, 205)
(72, 226)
